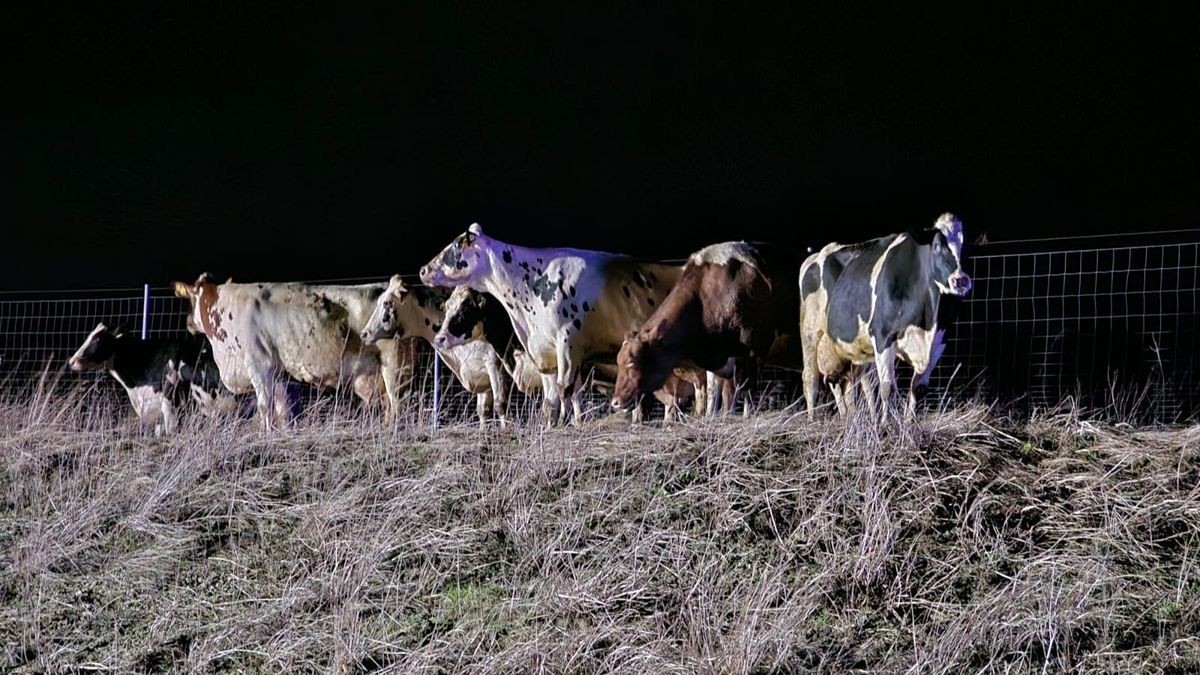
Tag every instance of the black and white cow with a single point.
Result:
(158, 374)
(885, 304)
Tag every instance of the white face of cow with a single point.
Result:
(463, 262)
(948, 273)
(384, 322)
(96, 352)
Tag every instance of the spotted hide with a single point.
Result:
(885, 304)
(418, 312)
(265, 333)
(158, 374)
(567, 305)
(734, 307)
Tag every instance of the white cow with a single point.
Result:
(567, 305)
(265, 333)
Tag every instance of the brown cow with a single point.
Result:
(735, 305)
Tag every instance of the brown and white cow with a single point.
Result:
(567, 305)
(734, 307)
(265, 333)
(407, 313)
(885, 304)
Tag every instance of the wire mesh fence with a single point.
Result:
(1095, 324)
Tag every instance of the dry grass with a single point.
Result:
(967, 542)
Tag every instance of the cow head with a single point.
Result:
(464, 318)
(946, 256)
(384, 322)
(97, 350)
(203, 317)
(462, 262)
(639, 370)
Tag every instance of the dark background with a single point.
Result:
(144, 145)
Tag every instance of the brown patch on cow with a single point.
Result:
(210, 316)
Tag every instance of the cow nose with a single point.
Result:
(962, 283)
(439, 340)
(424, 272)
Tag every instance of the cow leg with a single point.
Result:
(700, 403)
(169, 416)
(551, 400)
(498, 382)
(920, 380)
(568, 381)
(811, 377)
(885, 369)
(483, 401)
(713, 399)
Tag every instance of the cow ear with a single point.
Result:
(475, 229)
(182, 289)
(398, 287)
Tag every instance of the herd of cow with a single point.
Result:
(556, 319)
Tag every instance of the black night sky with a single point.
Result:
(270, 144)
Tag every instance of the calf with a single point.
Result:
(418, 312)
(885, 304)
(735, 305)
(158, 374)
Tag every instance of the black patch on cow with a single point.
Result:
(904, 294)
(650, 300)
(850, 296)
(577, 324)
(637, 278)
(507, 255)
(564, 312)
(427, 321)
(257, 305)
(231, 316)
(585, 305)
(572, 290)
(627, 293)
(540, 261)
(265, 294)
(524, 265)
(437, 327)
(543, 288)
(451, 257)
(811, 281)
(526, 277)
(574, 308)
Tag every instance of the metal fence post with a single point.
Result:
(437, 387)
(145, 311)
